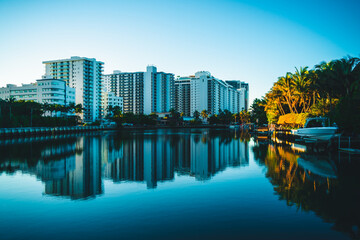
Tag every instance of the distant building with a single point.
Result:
(85, 75)
(243, 88)
(129, 86)
(182, 95)
(46, 90)
(205, 92)
(109, 99)
(142, 92)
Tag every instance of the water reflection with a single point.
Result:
(75, 167)
(328, 185)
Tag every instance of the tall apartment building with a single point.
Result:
(142, 92)
(129, 86)
(85, 75)
(243, 88)
(182, 95)
(52, 91)
(205, 92)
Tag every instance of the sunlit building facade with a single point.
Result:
(205, 92)
(85, 75)
(243, 88)
(46, 90)
(142, 92)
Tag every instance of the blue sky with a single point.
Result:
(252, 41)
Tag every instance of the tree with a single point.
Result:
(204, 114)
(213, 119)
(113, 112)
(78, 108)
(244, 116)
(175, 114)
(225, 116)
(11, 102)
(258, 114)
(236, 117)
(196, 114)
(317, 91)
(286, 89)
(302, 89)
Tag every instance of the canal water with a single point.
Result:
(175, 184)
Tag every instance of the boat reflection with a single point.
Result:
(327, 185)
(75, 167)
(318, 166)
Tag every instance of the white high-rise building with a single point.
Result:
(51, 91)
(142, 92)
(243, 88)
(85, 75)
(205, 92)
(199, 92)
(129, 86)
(182, 95)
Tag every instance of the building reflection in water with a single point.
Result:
(156, 157)
(84, 180)
(74, 167)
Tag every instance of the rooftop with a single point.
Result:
(73, 58)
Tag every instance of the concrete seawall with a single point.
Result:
(37, 131)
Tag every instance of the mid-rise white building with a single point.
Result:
(46, 90)
(205, 92)
(109, 99)
(85, 75)
(142, 92)
(243, 88)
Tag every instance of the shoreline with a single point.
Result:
(49, 131)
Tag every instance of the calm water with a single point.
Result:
(171, 184)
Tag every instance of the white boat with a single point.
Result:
(320, 167)
(316, 128)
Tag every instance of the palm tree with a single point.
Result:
(78, 108)
(204, 114)
(285, 86)
(338, 78)
(235, 116)
(196, 114)
(244, 116)
(302, 90)
(347, 73)
(325, 82)
(71, 107)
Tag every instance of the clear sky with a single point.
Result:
(252, 41)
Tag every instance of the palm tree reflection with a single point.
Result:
(326, 185)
